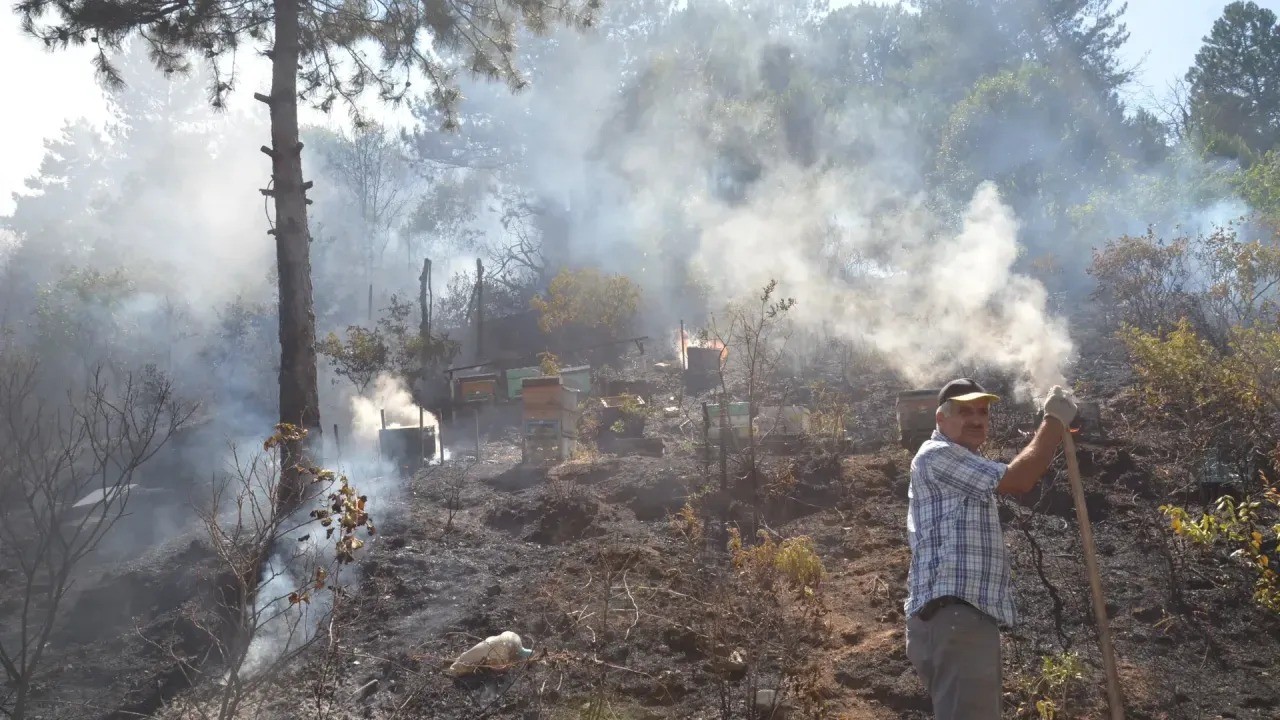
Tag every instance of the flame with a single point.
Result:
(684, 340)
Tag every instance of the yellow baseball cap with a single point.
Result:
(964, 390)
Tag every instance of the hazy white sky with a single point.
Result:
(42, 90)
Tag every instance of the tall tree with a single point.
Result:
(374, 188)
(962, 41)
(1235, 82)
(318, 53)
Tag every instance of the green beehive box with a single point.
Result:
(736, 410)
(739, 420)
(578, 378)
(515, 380)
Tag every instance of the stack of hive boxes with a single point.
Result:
(550, 424)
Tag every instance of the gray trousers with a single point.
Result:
(956, 652)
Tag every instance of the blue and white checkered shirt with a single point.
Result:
(953, 526)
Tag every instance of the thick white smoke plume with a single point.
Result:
(926, 298)
(292, 561)
(391, 398)
(687, 181)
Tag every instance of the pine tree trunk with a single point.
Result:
(299, 398)
(19, 709)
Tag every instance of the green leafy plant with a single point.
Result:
(1046, 693)
(548, 363)
(792, 563)
(589, 299)
(392, 346)
(1244, 526)
(360, 357)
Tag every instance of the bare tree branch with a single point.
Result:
(66, 473)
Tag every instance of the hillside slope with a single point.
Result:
(547, 557)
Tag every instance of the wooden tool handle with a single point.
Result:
(1095, 581)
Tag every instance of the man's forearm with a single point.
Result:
(1032, 463)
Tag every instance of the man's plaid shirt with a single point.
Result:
(953, 526)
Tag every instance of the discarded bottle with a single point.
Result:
(495, 651)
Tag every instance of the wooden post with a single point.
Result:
(453, 399)
(440, 435)
(476, 409)
(684, 352)
(707, 542)
(383, 412)
(337, 443)
(724, 473)
(706, 437)
(479, 309)
(424, 324)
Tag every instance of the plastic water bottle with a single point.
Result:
(495, 651)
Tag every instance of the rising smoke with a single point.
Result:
(657, 190)
(389, 401)
(658, 155)
(928, 299)
(698, 151)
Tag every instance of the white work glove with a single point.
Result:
(1059, 405)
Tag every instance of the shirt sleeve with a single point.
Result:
(951, 467)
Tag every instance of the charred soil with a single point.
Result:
(593, 564)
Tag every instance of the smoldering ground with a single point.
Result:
(661, 146)
(676, 172)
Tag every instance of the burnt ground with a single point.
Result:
(632, 619)
(1201, 653)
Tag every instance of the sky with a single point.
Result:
(47, 89)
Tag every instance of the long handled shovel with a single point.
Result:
(1095, 581)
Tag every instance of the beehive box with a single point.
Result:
(550, 422)
(515, 380)
(478, 388)
(781, 420)
(642, 388)
(917, 417)
(705, 361)
(578, 378)
(541, 398)
(407, 448)
(739, 420)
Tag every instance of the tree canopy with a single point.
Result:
(1235, 82)
(431, 40)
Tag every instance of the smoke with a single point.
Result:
(868, 253)
(288, 626)
(390, 399)
(673, 171)
(8, 241)
(893, 278)
(700, 147)
(145, 243)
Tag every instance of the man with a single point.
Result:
(960, 592)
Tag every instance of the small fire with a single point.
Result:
(684, 340)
